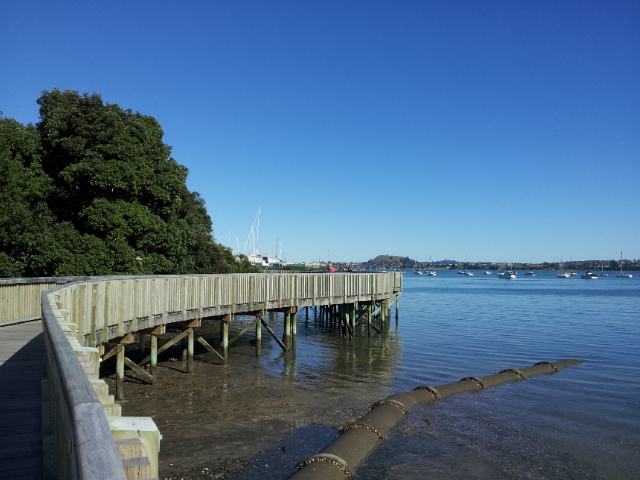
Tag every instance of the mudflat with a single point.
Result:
(215, 420)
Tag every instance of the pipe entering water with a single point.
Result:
(340, 459)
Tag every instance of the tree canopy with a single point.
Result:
(91, 189)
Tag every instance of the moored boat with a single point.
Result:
(623, 274)
(589, 275)
(562, 273)
(510, 275)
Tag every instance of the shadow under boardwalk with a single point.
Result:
(23, 360)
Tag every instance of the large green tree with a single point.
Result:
(92, 190)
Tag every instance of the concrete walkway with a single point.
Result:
(22, 365)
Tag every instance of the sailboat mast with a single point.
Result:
(257, 233)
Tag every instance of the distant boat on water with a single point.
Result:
(509, 275)
(562, 273)
(602, 274)
(623, 274)
(589, 275)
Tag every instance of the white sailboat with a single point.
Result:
(466, 271)
(256, 258)
(562, 273)
(431, 272)
(602, 274)
(623, 274)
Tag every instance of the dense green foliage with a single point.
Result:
(92, 190)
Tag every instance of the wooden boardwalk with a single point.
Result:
(22, 365)
(85, 316)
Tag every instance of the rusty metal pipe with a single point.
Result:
(339, 460)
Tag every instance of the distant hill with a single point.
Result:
(387, 259)
(391, 260)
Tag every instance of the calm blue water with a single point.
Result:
(582, 422)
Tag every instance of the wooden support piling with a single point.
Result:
(190, 350)
(224, 335)
(287, 326)
(294, 321)
(258, 334)
(120, 373)
(143, 343)
(352, 317)
(153, 366)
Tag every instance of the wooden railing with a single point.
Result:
(107, 308)
(20, 298)
(81, 315)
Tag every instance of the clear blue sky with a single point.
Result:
(487, 130)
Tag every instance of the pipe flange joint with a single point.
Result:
(514, 370)
(394, 403)
(371, 428)
(431, 390)
(549, 364)
(328, 457)
(476, 380)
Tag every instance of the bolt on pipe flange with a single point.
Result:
(330, 458)
(514, 370)
(371, 428)
(394, 403)
(549, 364)
(431, 390)
(476, 380)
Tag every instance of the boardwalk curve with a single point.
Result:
(89, 438)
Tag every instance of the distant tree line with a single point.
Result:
(397, 262)
(91, 189)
